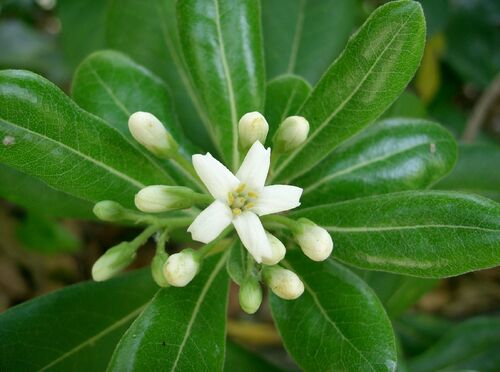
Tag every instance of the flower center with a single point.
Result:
(241, 199)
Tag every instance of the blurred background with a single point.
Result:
(457, 85)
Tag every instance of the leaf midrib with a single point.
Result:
(327, 317)
(196, 309)
(338, 109)
(96, 337)
(365, 164)
(80, 154)
(411, 227)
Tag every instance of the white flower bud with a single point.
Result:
(277, 248)
(157, 269)
(150, 132)
(291, 134)
(181, 268)
(284, 283)
(250, 295)
(159, 198)
(252, 127)
(315, 241)
(109, 211)
(113, 261)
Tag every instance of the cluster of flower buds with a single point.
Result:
(239, 199)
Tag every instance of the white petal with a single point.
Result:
(252, 235)
(277, 198)
(254, 169)
(210, 222)
(217, 178)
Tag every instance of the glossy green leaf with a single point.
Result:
(75, 328)
(284, 96)
(420, 233)
(154, 43)
(222, 44)
(33, 194)
(304, 36)
(337, 324)
(182, 329)
(392, 155)
(397, 292)
(241, 360)
(49, 137)
(373, 70)
(237, 262)
(408, 105)
(476, 171)
(472, 345)
(113, 87)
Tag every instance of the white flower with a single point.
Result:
(315, 241)
(240, 199)
(284, 283)
(180, 268)
(252, 127)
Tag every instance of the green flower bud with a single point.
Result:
(157, 268)
(252, 127)
(291, 134)
(113, 261)
(284, 283)
(109, 211)
(250, 295)
(315, 241)
(181, 268)
(159, 198)
(150, 132)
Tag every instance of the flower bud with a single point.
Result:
(113, 261)
(315, 241)
(252, 127)
(277, 248)
(181, 268)
(109, 211)
(291, 134)
(250, 295)
(157, 268)
(284, 283)
(150, 132)
(159, 198)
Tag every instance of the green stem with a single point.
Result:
(162, 240)
(203, 251)
(280, 220)
(143, 237)
(174, 222)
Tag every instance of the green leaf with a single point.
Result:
(284, 96)
(155, 44)
(237, 262)
(420, 233)
(113, 87)
(83, 27)
(476, 171)
(408, 105)
(33, 194)
(182, 329)
(397, 292)
(373, 70)
(222, 45)
(51, 138)
(45, 235)
(337, 323)
(471, 345)
(304, 36)
(75, 328)
(241, 360)
(392, 155)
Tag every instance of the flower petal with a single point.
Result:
(277, 198)
(217, 178)
(211, 222)
(252, 235)
(253, 171)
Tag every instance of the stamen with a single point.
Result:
(252, 194)
(230, 198)
(241, 188)
(236, 211)
(249, 206)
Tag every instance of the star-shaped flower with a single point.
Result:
(241, 199)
